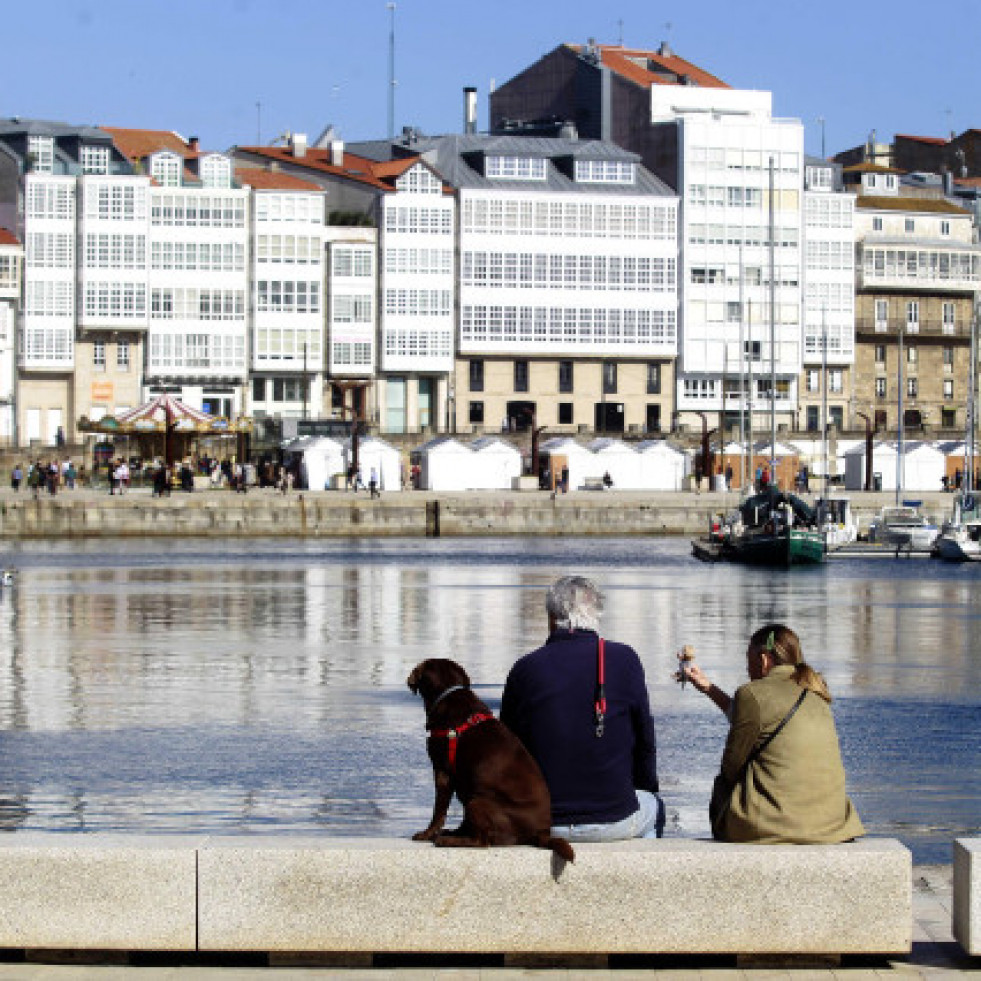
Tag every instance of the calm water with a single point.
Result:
(236, 688)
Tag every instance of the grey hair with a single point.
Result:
(575, 603)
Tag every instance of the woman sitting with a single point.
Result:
(782, 779)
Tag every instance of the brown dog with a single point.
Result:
(503, 793)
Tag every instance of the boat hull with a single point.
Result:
(783, 550)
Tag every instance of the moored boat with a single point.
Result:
(904, 527)
(836, 521)
(769, 529)
(960, 538)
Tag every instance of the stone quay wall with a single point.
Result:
(340, 514)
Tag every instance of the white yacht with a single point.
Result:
(904, 527)
(960, 538)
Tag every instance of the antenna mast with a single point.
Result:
(391, 70)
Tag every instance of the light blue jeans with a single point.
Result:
(646, 822)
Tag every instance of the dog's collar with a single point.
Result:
(440, 697)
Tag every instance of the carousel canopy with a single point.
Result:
(166, 414)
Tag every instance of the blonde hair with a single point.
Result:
(783, 646)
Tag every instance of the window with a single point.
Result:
(653, 379)
(165, 169)
(911, 387)
(565, 413)
(948, 358)
(945, 228)
(753, 350)
(609, 378)
(949, 322)
(813, 380)
(99, 355)
(813, 419)
(911, 354)
(836, 379)
(881, 315)
(836, 417)
(40, 152)
(565, 377)
(880, 354)
(258, 389)
(876, 224)
(910, 225)
(948, 388)
(95, 160)
(476, 412)
(913, 316)
(477, 378)
(521, 376)
(880, 388)
(122, 355)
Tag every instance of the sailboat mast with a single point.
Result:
(773, 337)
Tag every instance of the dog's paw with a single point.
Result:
(426, 835)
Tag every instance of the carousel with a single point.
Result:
(168, 429)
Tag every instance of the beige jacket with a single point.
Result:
(794, 791)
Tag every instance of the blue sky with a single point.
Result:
(201, 66)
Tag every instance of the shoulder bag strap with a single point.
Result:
(776, 732)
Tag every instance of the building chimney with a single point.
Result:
(337, 153)
(299, 144)
(469, 110)
(192, 144)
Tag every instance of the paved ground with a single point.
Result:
(935, 955)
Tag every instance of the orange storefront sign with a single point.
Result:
(102, 391)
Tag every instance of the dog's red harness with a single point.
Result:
(451, 735)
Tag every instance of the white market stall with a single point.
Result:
(662, 466)
(374, 453)
(923, 467)
(566, 454)
(620, 461)
(497, 464)
(320, 458)
(445, 464)
(883, 467)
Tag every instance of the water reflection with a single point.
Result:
(182, 686)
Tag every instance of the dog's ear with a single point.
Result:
(413, 680)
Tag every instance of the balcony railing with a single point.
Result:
(921, 328)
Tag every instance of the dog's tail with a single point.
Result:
(560, 846)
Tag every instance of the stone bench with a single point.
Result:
(967, 894)
(350, 896)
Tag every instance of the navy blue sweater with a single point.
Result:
(548, 703)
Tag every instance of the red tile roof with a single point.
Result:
(137, 144)
(873, 203)
(372, 172)
(651, 68)
(8, 238)
(273, 180)
(932, 140)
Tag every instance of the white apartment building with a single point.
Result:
(567, 282)
(732, 158)
(417, 228)
(352, 303)
(287, 275)
(829, 298)
(11, 262)
(198, 277)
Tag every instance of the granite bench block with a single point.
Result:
(98, 892)
(967, 894)
(664, 896)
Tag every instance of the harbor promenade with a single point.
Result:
(94, 513)
(934, 955)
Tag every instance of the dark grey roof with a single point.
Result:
(45, 127)
(454, 158)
